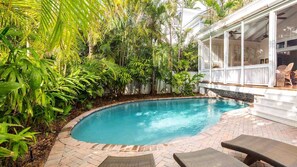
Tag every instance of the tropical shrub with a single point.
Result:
(44, 93)
(164, 74)
(113, 78)
(122, 80)
(14, 144)
(183, 83)
(33, 90)
(141, 70)
(32, 73)
(59, 53)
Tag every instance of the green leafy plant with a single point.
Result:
(218, 9)
(184, 83)
(141, 70)
(14, 144)
(43, 93)
(113, 78)
(123, 79)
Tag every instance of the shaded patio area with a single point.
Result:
(70, 152)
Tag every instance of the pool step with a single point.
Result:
(278, 106)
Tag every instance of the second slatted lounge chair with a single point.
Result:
(133, 161)
(271, 151)
(206, 158)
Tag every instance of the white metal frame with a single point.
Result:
(272, 48)
(242, 54)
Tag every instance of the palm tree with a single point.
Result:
(190, 4)
(55, 24)
(156, 14)
(218, 9)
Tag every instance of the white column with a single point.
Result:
(242, 76)
(202, 58)
(199, 59)
(226, 54)
(272, 48)
(210, 59)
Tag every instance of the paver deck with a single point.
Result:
(70, 152)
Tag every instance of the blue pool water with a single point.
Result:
(151, 122)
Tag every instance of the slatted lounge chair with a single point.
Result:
(207, 157)
(271, 151)
(135, 161)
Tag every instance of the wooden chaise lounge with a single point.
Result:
(271, 151)
(133, 161)
(206, 157)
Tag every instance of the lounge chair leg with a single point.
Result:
(249, 160)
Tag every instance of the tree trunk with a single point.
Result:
(170, 57)
(90, 45)
(153, 82)
(139, 88)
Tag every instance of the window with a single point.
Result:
(280, 45)
(256, 41)
(292, 43)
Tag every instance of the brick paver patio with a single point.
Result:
(70, 152)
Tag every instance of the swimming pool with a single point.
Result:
(152, 122)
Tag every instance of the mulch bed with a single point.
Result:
(46, 137)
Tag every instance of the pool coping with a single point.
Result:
(66, 138)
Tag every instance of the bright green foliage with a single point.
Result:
(160, 56)
(141, 70)
(123, 78)
(113, 77)
(34, 91)
(35, 77)
(184, 83)
(57, 53)
(16, 143)
(7, 87)
(43, 92)
(218, 9)
(56, 24)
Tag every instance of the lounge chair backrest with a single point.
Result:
(274, 152)
(289, 68)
